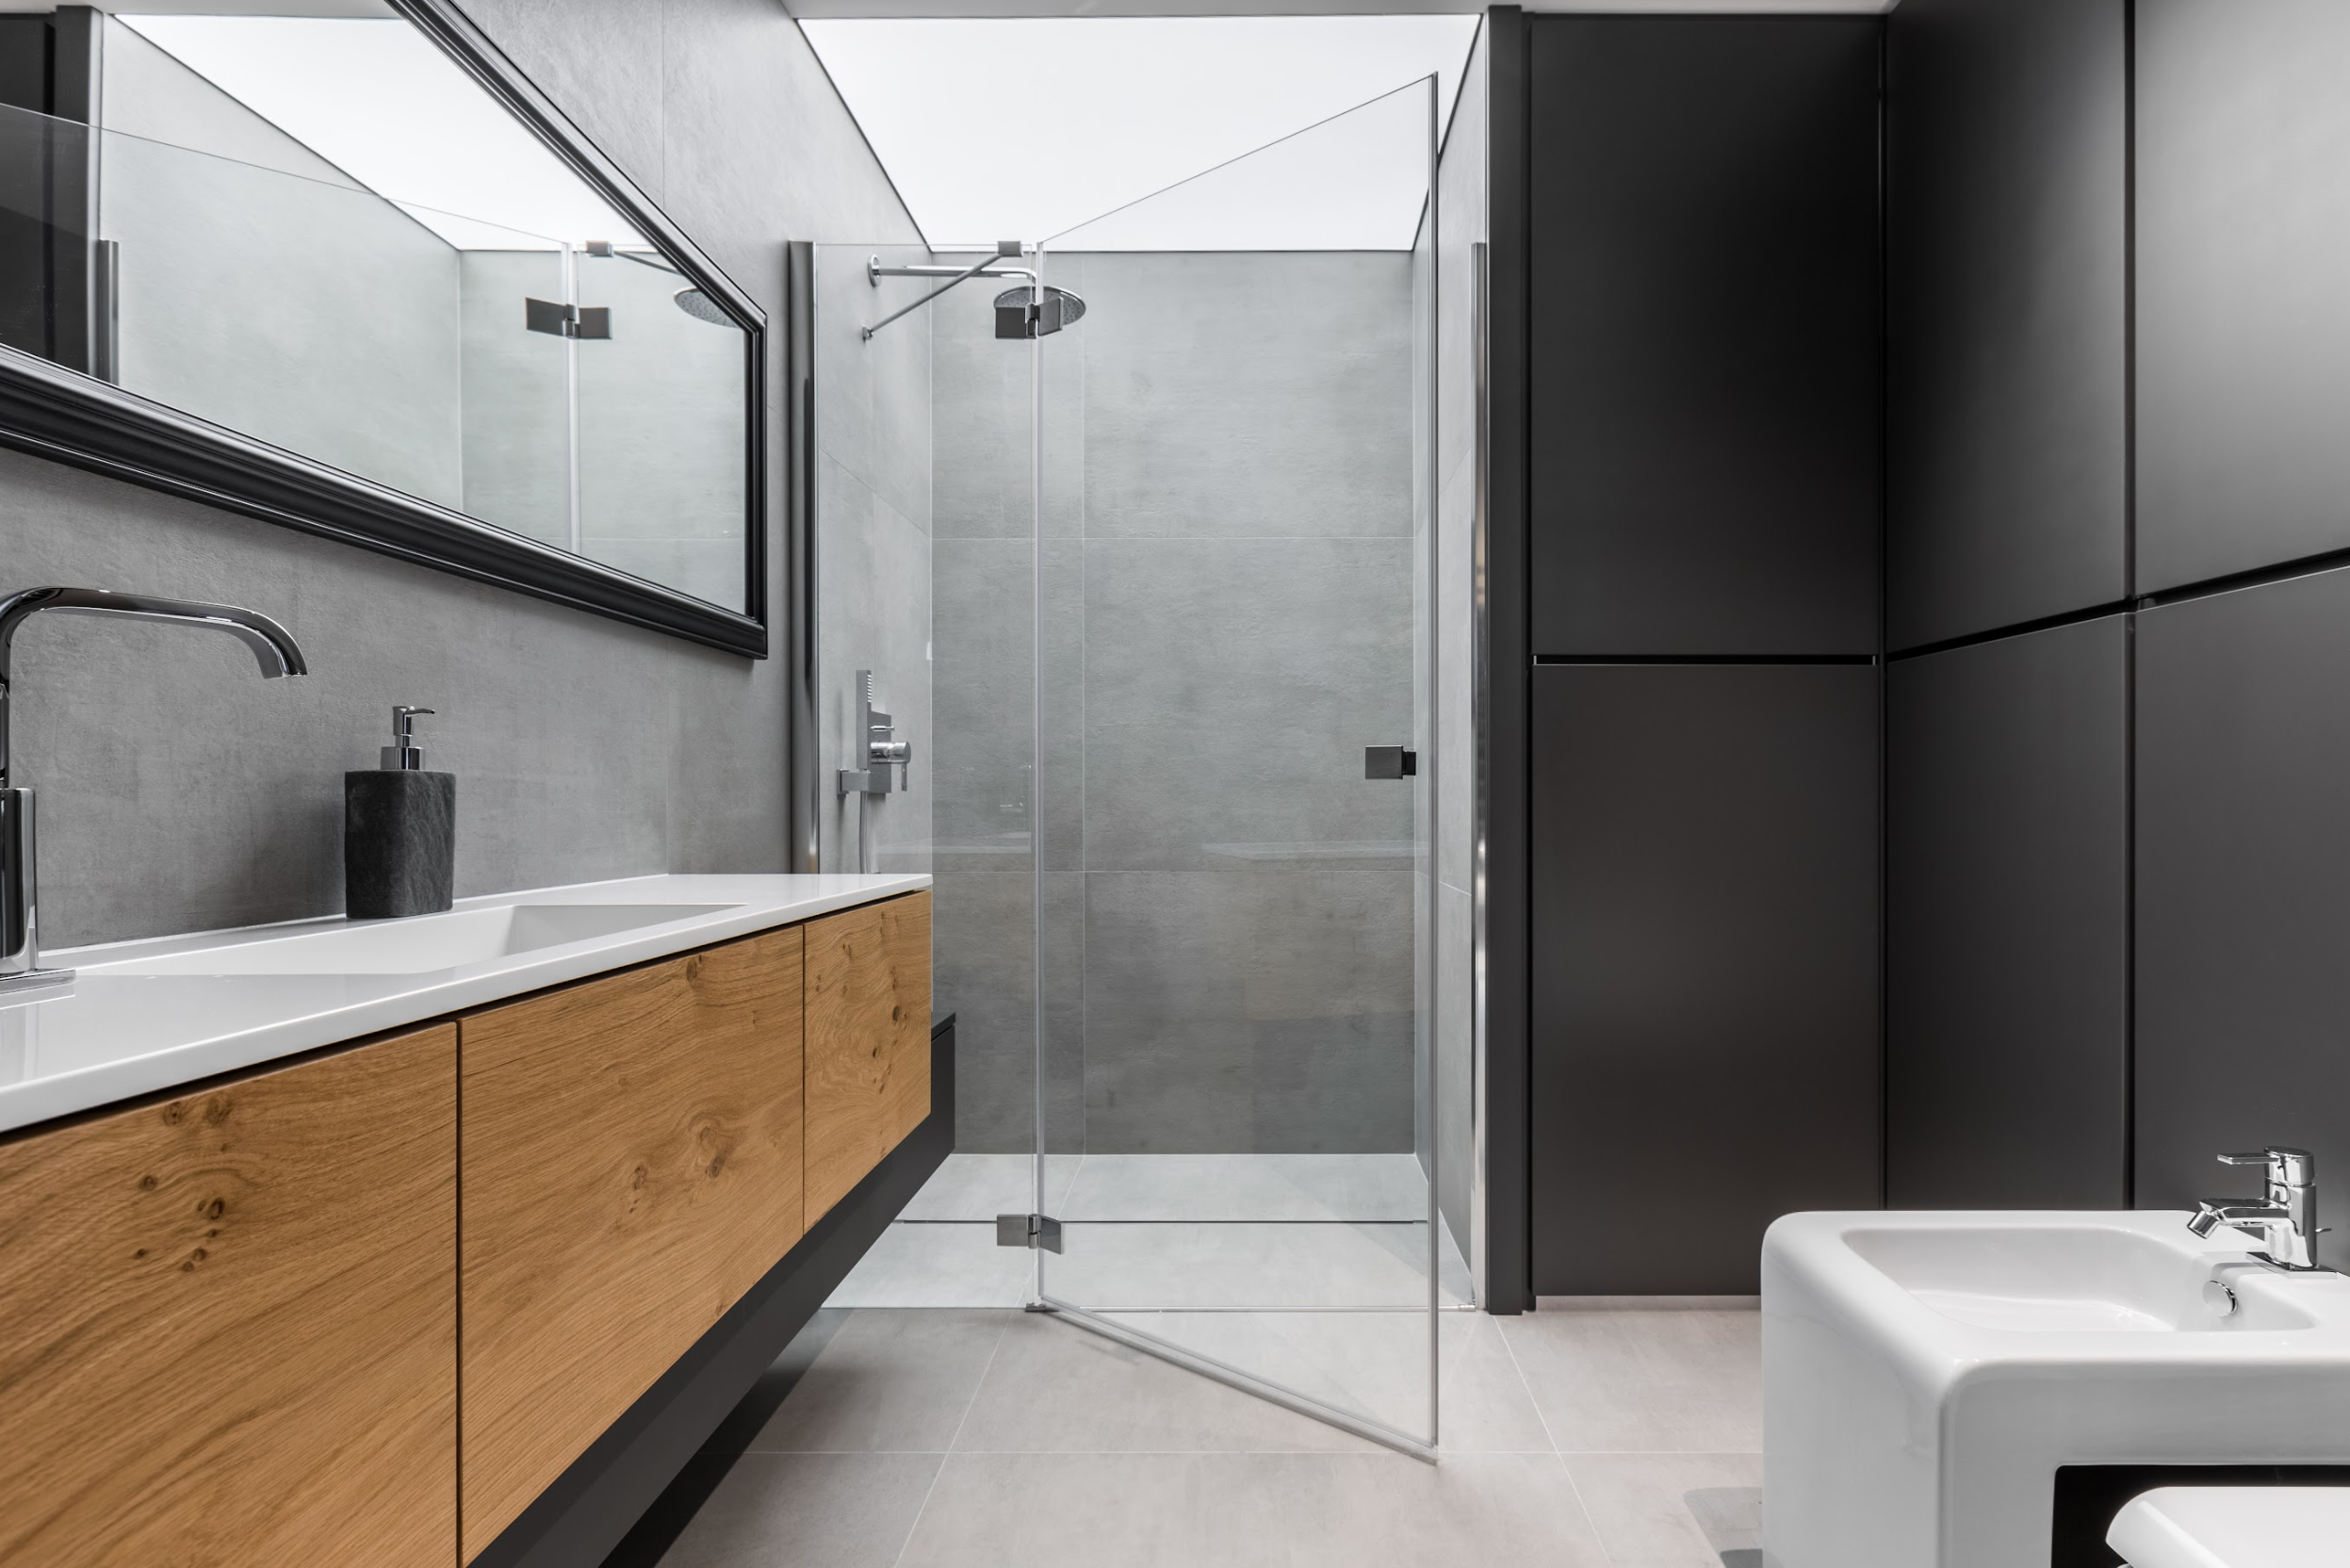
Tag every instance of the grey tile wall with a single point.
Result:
(1228, 617)
(180, 792)
(873, 521)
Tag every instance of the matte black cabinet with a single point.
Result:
(2243, 322)
(2007, 816)
(2007, 169)
(1705, 958)
(1705, 370)
(2244, 887)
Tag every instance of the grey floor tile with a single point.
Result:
(1485, 1406)
(841, 1511)
(1672, 1511)
(1470, 1511)
(1064, 1511)
(897, 1380)
(1054, 1387)
(1239, 1511)
(1617, 1380)
(1370, 1365)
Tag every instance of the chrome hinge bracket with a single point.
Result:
(1028, 1230)
(561, 321)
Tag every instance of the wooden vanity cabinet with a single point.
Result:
(363, 1310)
(868, 1040)
(228, 1323)
(631, 1156)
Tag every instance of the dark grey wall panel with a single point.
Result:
(1705, 335)
(2008, 249)
(1705, 941)
(2244, 243)
(2007, 844)
(2244, 886)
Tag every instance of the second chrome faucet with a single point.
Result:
(2284, 1218)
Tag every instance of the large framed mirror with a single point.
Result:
(338, 265)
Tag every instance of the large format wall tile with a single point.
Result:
(1247, 395)
(1705, 402)
(1230, 687)
(1238, 1011)
(2241, 240)
(984, 937)
(2007, 946)
(985, 633)
(2008, 235)
(2243, 853)
(873, 395)
(874, 581)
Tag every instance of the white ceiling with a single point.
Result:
(1004, 129)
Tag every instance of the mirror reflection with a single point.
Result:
(322, 232)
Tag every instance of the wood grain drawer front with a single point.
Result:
(228, 1323)
(868, 1040)
(630, 1159)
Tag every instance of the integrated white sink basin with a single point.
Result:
(2067, 1279)
(1926, 1374)
(419, 945)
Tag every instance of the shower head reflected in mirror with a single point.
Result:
(692, 301)
(701, 307)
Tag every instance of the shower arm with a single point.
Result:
(987, 267)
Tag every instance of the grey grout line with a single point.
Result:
(916, 1523)
(1574, 1488)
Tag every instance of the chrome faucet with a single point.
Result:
(2285, 1219)
(272, 647)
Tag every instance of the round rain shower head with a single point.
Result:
(702, 307)
(1072, 306)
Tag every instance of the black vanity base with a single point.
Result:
(595, 1504)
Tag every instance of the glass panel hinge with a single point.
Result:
(1028, 1230)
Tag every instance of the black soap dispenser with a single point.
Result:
(400, 832)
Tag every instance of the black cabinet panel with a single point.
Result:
(2243, 320)
(2244, 887)
(2008, 245)
(1705, 947)
(2007, 844)
(1706, 336)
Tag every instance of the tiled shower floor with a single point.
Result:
(1148, 1232)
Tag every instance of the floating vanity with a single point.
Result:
(441, 1240)
(1925, 1375)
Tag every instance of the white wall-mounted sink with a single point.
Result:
(1925, 1374)
(417, 945)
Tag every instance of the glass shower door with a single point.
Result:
(1232, 910)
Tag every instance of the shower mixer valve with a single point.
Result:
(881, 747)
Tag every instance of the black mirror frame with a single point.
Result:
(55, 412)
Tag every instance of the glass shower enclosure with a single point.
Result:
(1179, 685)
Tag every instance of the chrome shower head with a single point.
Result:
(701, 307)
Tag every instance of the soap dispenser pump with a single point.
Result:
(400, 831)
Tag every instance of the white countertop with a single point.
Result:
(117, 1037)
